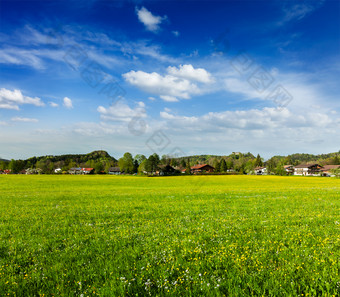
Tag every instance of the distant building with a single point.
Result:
(75, 170)
(114, 171)
(58, 170)
(289, 169)
(87, 170)
(204, 168)
(165, 170)
(307, 169)
(327, 170)
(261, 171)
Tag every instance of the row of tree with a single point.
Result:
(101, 161)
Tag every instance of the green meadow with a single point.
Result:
(169, 236)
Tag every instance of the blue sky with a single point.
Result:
(171, 77)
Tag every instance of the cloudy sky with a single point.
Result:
(178, 78)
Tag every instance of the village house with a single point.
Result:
(289, 169)
(75, 170)
(307, 169)
(87, 170)
(114, 171)
(204, 168)
(165, 170)
(260, 171)
(326, 170)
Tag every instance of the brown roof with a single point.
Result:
(287, 166)
(200, 166)
(258, 168)
(329, 167)
(306, 165)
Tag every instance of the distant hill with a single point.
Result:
(100, 160)
(77, 158)
(4, 160)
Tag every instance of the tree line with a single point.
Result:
(101, 161)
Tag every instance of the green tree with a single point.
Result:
(216, 165)
(174, 162)
(14, 166)
(249, 166)
(230, 164)
(99, 168)
(152, 163)
(279, 170)
(135, 166)
(126, 163)
(188, 167)
(258, 162)
(139, 158)
(223, 166)
(336, 160)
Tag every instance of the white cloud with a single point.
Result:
(68, 103)
(187, 71)
(254, 119)
(268, 130)
(173, 86)
(25, 120)
(122, 112)
(53, 104)
(176, 33)
(12, 99)
(150, 21)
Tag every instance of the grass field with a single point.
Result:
(173, 236)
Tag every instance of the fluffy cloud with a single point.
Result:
(189, 72)
(150, 21)
(25, 120)
(121, 112)
(178, 83)
(12, 99)
(68, 103)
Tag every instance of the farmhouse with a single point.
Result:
(289, 169)
(327, 170)
(307, 169)
(202, 169)
(260, 171)
(114, 171)
(87, 170)
(165, 170)
(75, 170)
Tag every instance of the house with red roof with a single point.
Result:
(87, 170)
